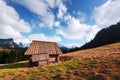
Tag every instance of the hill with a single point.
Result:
(9, 43)
(102, 63)
(106, 50)
(105, 36)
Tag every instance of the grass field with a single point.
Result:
(102, 63)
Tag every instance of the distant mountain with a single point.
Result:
(21, 45)
(105, 36)
(9, 43)
(63, 48)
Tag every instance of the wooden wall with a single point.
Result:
(53, 58)
(44, 59)
(40, 57)
(43, 62)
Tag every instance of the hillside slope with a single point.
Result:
(101, 63)
(103, 51)
(105, 36)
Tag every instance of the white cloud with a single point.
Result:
(7, 32)
(107, 14)
(73, 45)
(51, 3)
(62, 11)
(67, 18)
(11, 25)
(74, 30)
(41, 8)
(81, 16)
(42, 37)
(22, 39)
(91, 32)
(57, 23)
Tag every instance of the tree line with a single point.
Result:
(12, 55)
(105, 36)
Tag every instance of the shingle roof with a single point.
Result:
(38, 47)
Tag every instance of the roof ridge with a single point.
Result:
(42, 41)
(37, 47)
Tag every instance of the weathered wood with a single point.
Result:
(43, 52)
(40, 57)
(53, 58)
(38, 47)
(42, 62)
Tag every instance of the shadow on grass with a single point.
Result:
(14, 65)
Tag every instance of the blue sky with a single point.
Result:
(67, 22)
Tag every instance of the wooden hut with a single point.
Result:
(43, 52)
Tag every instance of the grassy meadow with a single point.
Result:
(88, 64)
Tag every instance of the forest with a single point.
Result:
(12, 55)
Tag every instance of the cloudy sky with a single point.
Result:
(67, 22)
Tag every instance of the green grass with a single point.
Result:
(79, 67)
(13, 65)
(69, 70)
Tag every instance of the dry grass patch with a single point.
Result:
(92, 64)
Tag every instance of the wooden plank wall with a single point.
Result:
(41, 63)
(44, 59)
(40, 57)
